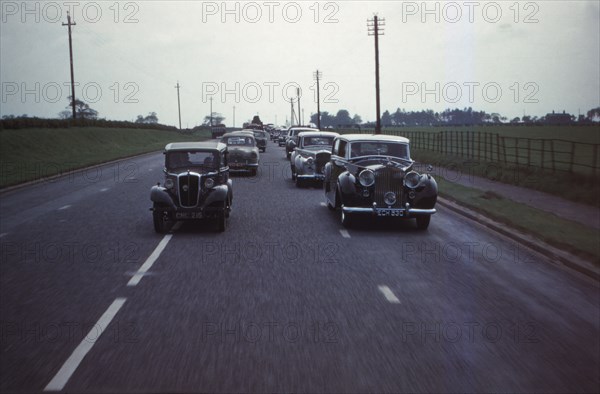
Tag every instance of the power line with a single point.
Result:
(374, 27)
(69, 24)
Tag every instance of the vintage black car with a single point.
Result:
(196, 186)
(283, 133)
(243, 152)
(373, 174)
(310, 155)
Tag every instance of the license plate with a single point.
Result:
(188, 215)
(390, 213)
(236, 164)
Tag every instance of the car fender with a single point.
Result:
(346, 182)
(217, 194)
(427, 196)
(159, 195)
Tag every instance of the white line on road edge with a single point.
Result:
(135, 279)
(63, 208)
(345, 233)
(104, 189)
(66, 371)
(389, 295)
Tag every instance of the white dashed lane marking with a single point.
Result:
(65, 207)
(104, 189)
(3, 235)
(323, 204)
(389, 295)
(66, 371)
(135, 279)
(345, 233)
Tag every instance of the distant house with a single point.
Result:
(558, 119)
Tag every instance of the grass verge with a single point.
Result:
(30, 154)
(573, 237)
(573, 187)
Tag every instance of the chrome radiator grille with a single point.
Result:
(188, 188)
(320, 161)
(388, 180)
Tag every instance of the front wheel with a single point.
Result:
(346, 218)
(423, 222)
(222, 218)
(158, 217)
(293, 173)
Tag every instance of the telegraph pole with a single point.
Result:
(178, 104)
(234, 116)
(210, 98)
(299, 121)
(69, 24)
(317, 75)
(291, 111)
(374, 27)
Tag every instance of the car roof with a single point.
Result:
(303, 128)
(374, 137)
(195, 145)
(317, 134)
(245, 133)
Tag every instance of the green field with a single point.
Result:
(583, 134)
(29, 154)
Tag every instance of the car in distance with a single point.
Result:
(292, 138)
(282, 137)
(242, 150)
(373, 174)
(261, 139)
(196, 185)
(217, 131)
(310, 156)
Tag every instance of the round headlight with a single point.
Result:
(366, 178)
(169, 183)
(209, 182)
(411, 180)
(310, 161)
(389, 198)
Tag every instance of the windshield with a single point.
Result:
(359, 149)
(325, 142)
(260, 134)
(204, 159)
(239, 141)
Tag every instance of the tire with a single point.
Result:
(299, 182)
(288, 154)
(160, 224)
(222, 218)
(423, 222)
(253, 172)
(346, 219)
(293, 174)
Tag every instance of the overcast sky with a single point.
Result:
(507, 57)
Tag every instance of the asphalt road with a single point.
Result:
(285, 300)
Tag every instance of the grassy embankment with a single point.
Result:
(29, 154)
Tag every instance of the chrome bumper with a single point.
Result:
(402, 212)
(318, 177)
